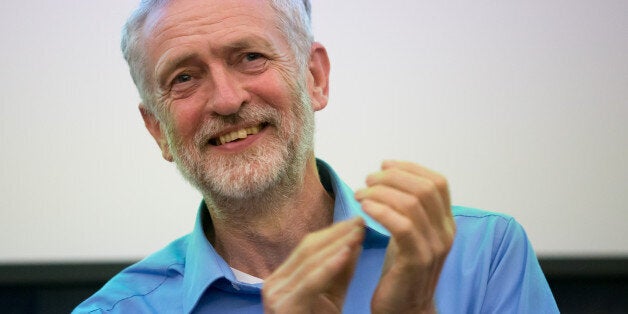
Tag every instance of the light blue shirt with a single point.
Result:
(491, 269)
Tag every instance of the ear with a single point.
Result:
(154, 127)
(318, 76)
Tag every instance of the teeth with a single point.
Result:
(239, 134)
(242, 134)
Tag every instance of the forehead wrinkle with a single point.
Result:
(246, 42)
(170, 60)
(155, 31)
(164, 29)
(162, 22)
(171, 29)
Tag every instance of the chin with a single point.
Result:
(243, 176)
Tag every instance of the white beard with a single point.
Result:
(277, 166)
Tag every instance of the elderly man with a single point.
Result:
(229, 90)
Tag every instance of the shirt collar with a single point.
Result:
(204, 266)
(347, 207)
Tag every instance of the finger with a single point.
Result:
(327, 244)
(337, 276)
(316, 241)
(408, 166)
(428, 213)
(402, 203)
(439, 180)
(296, 294)
(417, 187)
(414, 249)
(317, 273)
(403, 230)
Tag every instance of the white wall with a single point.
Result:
(522, 104)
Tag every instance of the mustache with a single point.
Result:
(249, 115)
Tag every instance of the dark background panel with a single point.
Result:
(580, 285)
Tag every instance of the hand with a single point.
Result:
(316, 275)
(413, 203)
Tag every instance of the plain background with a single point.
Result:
(521, 104)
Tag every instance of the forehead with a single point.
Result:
(213, 11)
(181, 22)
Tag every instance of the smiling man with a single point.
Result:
(229, 90)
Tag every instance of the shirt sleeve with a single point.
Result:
(516, 283)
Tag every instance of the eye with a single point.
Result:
(252, 62)
(182, 78)
(252, 56)
(183, 82)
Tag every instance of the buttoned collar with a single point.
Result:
(204, 267)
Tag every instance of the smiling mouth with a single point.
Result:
(237, 135)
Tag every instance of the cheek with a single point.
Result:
(273, 89)
(187, 115)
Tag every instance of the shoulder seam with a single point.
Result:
(507, 218)
(166, 277)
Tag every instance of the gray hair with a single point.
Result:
(293, 20)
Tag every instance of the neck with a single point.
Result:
(256, 235)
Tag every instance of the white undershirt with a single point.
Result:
(245, 278)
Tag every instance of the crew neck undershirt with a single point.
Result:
(246, 278)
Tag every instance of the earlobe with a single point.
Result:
(153, 126)
(318, 78)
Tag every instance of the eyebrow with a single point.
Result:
(168, 64)
(249, 42)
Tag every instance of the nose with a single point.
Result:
(227, 94)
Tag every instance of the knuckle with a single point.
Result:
(425, 260)
(391, 174)
(442, 186)
(411, 202)
(405, 229)
(441, 182)
(425, 189)
(442, 247)
(449, 231)
(395, 172)
(430, 188)
(439, 248)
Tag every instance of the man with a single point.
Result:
(229, 90)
